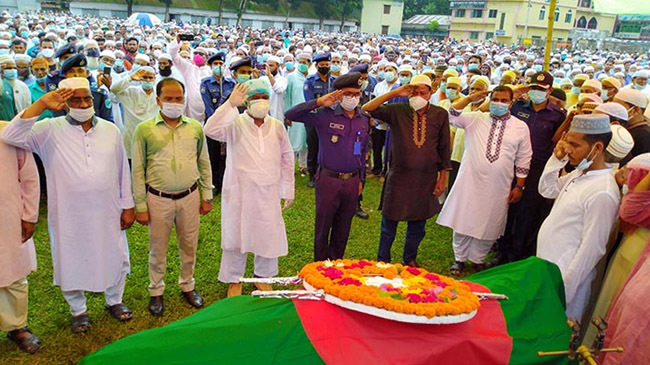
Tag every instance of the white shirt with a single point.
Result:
(276, 100)
(380, 89)
(259, 173)
(137, 107)
(495, 150)
(88, 185)
(574, 235)
(193, 75)
(22, 95)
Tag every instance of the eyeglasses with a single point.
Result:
(76, 101)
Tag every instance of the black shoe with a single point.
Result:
(312, 181)
(360, 213)
(193, 298)
(25, 340)
(496, 261)
(156, 306)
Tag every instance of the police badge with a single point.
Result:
(334, 138)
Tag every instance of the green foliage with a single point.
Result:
(433, 25)
(430, 7)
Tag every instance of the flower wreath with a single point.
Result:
(406, 289)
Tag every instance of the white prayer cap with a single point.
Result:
(391, 64)
(590, 124)
(119, 53)
(640, 73)
(142, 57)
(632, 96)
(306, 55)
(275, 59)
(148, 69)
(334, 55)
(621, 143)
(594, 84)
(165, 56)
(107, 53)
(612, 81)
(74, 83)
(421, 80)
(365, 57)
(615, 110)
(406, 68)
(22, 57)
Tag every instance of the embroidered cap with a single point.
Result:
(421, 80)
(621, 143)
(615, 110)
(590, 124)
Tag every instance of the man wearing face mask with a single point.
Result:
(316, 85)
(342, 130)
(575, 234)
(419, 164)
(193, 72)
(572, 97)
(640, 82)
(172, 186)
(259, 174)
(85, 162)
(21, 96)
(497, 148)
(24, 71)
(215, 90)
(637, 124)
(278, 85)
(138, 101)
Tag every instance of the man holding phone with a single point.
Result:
(193, 73)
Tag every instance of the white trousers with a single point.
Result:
(302, 158)
(163, 214)
(13, 306)
(77, 299)
(470, 248)
(233, 266)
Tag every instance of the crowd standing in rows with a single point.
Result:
(148, 124)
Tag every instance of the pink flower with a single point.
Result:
(349, 281)
(413, 270)
(332, 273)
(413, 298)
(431, 277)
(388, 288)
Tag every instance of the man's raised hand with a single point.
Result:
(238, 95)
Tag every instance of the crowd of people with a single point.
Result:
(138, 123)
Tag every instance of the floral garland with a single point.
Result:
(420, 293)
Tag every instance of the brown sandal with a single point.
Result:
(28, 343)
(119, 312)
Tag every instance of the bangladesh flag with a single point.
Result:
(248, 330)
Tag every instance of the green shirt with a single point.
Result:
(37, 93)
(7, 107)
(169, 159)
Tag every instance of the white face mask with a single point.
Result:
(418, 102)
(171, 110)
(81, 115)
(258, 108)
(350, 102)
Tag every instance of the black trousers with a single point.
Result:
(312, 150)
(378, 138)
(217, 152)
(455, 166)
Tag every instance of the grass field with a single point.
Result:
(48, 311)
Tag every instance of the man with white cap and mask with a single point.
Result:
(259, 173)
(138, 101)
(635, 103)
(278, 86)
(575, 234)
(86, 168)
(640, 82)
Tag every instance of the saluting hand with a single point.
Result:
(330, 99)
(404, 90)
(479, 95)
(561, 148)
(55, 100)
(238, 95)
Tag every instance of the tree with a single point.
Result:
(290, 5)
(240, 10)
(433, 25)
(129, 7)
(347, 7)
(220, 11)
(167, 3)
(324, 10)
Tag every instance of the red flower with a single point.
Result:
(432, 277)
(349, 281)
(413, 270)
(332, 273)
(413, 298)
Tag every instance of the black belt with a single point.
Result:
(338, 175)
(174, 196)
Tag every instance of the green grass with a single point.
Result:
(48, 311)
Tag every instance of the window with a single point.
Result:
(593, 23)
(386, 9)
(473, 35)
(489, 35)
(460, 13)
(384, 29)
(542, 13)
(585, 3)
(477, 13)
(557, 14)
(492, 13)
(582, 22)
(567, 17)
(503, 20)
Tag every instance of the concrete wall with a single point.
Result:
(187, 15)
(373, 17)
(19, 5)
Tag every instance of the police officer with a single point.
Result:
(62, 54)
(215, 90)
(76, 66)
(316, 85)
(342, 131)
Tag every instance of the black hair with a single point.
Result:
(602, 137)
(503, 88)
(475, 72)
(18, 41)
(480, 59)
(165, 81)
(131, 39)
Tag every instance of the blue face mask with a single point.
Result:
(575, 90)
(499, 109)
(389, 76)
(238, 44)
(243, 78)
(537, 96)
(472, 66)
(585, 163)
(146, 85)
(217, 70)
(424, 68)
(260, 58)
(604, 95)
(381, 75)
(289, 65)
(119, 63)
(10, 74)
(92, 52)
(4, 51)
(639, 87)
(538, 68)
(459, 68)
(403, 80)
(451, 94)
(24, 34)
(302, 67)
(41, 80)
(265, 57)
(135, 68)
(335, 68)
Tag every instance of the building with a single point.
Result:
(633, 27)
(382, 16)
(190, 15)
(422, 26)
(19, 5)
(524, 21)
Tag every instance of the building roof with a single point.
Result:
(425, 19)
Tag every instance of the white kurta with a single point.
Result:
(294, 95)
(137, 107)
(193, 75)
(88, 186)
(574, 235)
(22, 95)
(259, 173)
(276, 100)
(19, 195)
(477, 205)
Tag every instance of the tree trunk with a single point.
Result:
(342, 20)
(220, 11)
(167, 12)
(240, 13)
(286, 18)
(321, 23)
(129, 7)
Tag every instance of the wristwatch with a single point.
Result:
(520, 187)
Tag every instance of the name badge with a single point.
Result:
(337, 126)
(523, 115)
